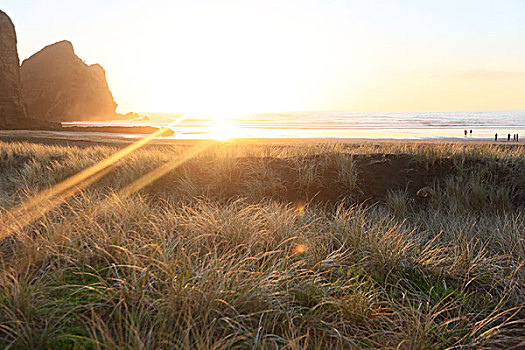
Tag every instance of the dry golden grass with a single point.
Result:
(184, 264)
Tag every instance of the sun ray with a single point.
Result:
(28, 212)
(163, 170)
(43, 202)
(123, 193)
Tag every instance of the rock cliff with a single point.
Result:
(57, 85)
(12, 111)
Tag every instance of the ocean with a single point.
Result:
(369, 125)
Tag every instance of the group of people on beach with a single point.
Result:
(515, 137)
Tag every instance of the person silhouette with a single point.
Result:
(465, 133)
(470, 132)
(508, 137)
(496, 137)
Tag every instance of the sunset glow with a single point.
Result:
(254, 56)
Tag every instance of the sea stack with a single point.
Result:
(12, 111)
(57, 85)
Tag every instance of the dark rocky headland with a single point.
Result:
(58, 85)
(12, 109)
(52, 86)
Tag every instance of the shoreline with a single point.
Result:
(132, 130)
(75, 138)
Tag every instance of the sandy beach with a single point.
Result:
(116, 140)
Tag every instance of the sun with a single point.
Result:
(223, 126)
(224, 131)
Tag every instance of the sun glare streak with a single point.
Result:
(163, 170)
(41, 203)
(19, 223)
(14, 222)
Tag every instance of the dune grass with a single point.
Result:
(211, 257)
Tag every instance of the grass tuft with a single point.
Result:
(237, 248)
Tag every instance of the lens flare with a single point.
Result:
(41, 203)
(300, 249)
(300, 208)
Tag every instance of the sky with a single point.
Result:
(227, 56)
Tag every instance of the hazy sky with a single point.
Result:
(249, 56)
